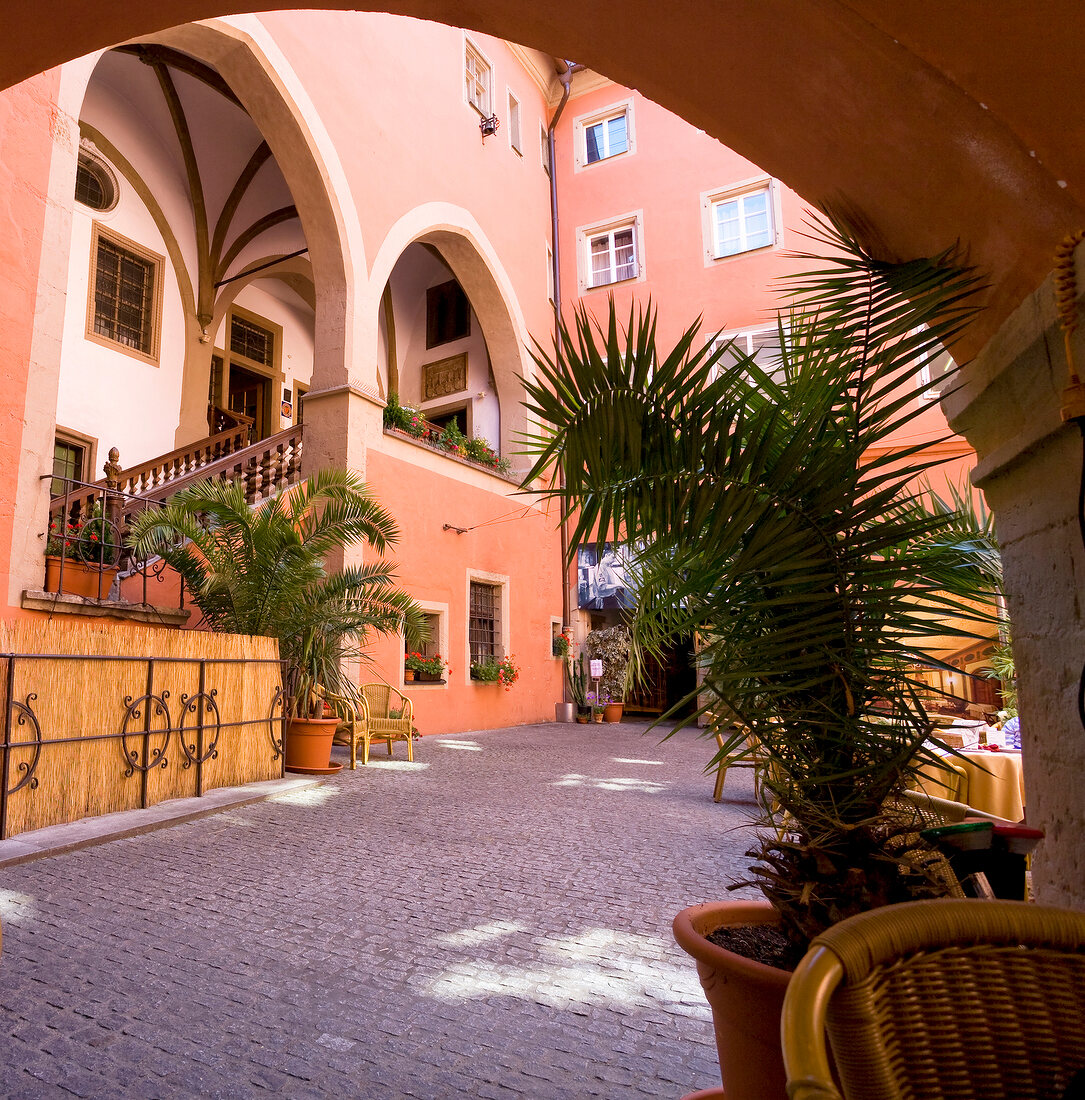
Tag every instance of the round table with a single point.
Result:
(993, 782)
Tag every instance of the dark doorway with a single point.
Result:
(249, 397)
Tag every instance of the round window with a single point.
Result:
(94, 186)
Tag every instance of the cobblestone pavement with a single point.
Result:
(491, 921)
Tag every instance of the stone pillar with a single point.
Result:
(1008, 407)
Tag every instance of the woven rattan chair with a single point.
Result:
(367, 719)
(940, 1000)
(382, 702)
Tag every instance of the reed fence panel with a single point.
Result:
(99, 717)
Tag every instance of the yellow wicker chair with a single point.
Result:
(382, 701)
(940, 1000)
(367, 720)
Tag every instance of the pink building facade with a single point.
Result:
(259, 221)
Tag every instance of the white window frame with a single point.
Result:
(930, 390)
(554, 621)
(710, 200)
(743, 338)
(587, 233)
(472, 52)
(516, 136)
(583, 123)
(498, 580)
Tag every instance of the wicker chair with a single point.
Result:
(367, 719)
(940, 1000)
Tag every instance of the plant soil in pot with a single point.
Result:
(308, 745)
(746, 998)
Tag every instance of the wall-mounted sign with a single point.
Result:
(596, 669)
(446, 376)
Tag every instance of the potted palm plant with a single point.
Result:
(262, 570)
(772, 521)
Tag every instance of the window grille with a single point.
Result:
(252, 341)
(94, 185)
(123, 288)
(484, 627)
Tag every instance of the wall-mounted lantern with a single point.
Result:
(489, 126)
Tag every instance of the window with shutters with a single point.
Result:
(740, 219)
(124, 299)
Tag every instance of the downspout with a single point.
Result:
(565, 75)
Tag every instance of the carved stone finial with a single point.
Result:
(112, 468)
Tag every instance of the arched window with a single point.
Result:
(95, 185)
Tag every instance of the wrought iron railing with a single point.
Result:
(152, 732)
(89, 523)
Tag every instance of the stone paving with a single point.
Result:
(491, 921)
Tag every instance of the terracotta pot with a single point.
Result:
(597, 717)
(408, 675)
(612, 712)
(746, 998)
(583, 719)
(564, 712)
(80, 579)
(309, 743)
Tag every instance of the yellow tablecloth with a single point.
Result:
(992, 781)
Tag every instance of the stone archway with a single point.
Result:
(459, 239)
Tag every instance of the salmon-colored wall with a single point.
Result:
(433, 567)
(28, 116)
(672, 165)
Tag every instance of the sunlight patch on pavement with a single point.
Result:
(15, 907)
(596, 966)
(468, 746)
(648, 786)
(480, 934)
(632, 760)
(309, 796)
(397, 765)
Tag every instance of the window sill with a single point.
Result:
(62, 604)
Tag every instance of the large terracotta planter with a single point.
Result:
(80, 579)
(308, 745)
(746, 998)
(612, 712)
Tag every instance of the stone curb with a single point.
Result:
(54, 839)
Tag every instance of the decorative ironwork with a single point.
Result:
(143, 733)
(200, 704)
(27, 767)
(152, 756)
(276, 723)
